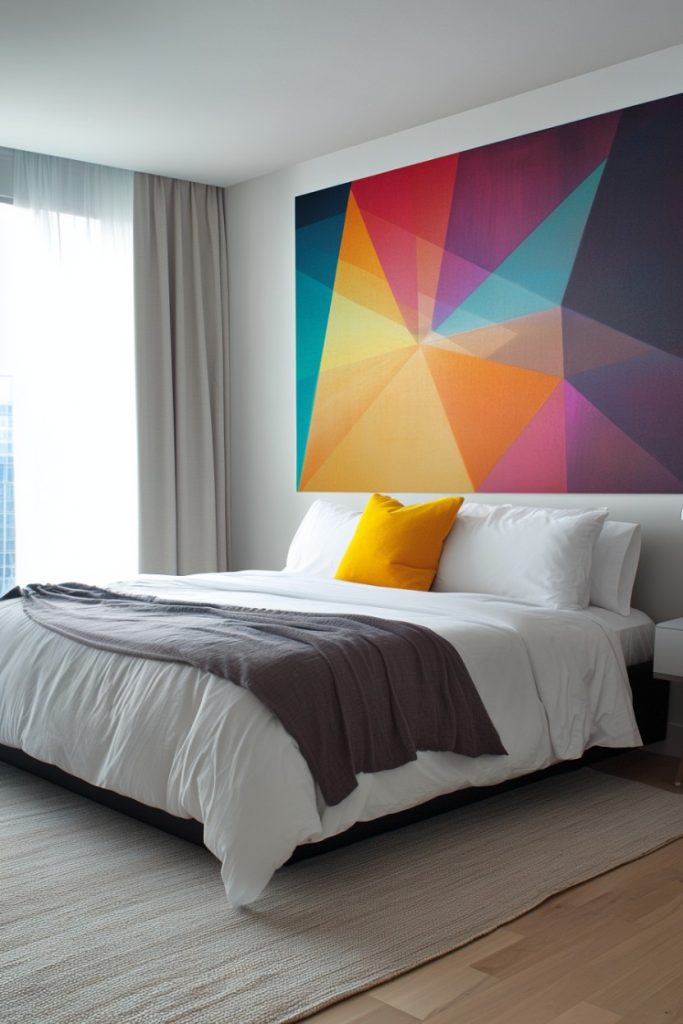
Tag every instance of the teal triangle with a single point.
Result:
(305, 396)
(535, 275)
(495, 302)
(313, 301)
(317, 248)
(317, 252)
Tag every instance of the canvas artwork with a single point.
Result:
(505, 319)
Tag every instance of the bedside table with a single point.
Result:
(668, 662)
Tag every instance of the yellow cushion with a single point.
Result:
(398, 545)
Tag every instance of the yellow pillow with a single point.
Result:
(398, 545)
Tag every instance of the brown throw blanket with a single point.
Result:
(358, 694)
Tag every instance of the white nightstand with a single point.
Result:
(668, 662)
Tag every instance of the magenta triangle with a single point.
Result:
(535, 463)
(602, 459)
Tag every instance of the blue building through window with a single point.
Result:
(7, 524)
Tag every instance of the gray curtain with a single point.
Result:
(181, 323)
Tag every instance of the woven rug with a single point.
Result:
(105, 920)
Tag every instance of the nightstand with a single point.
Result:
(668, 662)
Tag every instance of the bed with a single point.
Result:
(173, 737)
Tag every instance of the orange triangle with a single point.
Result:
(342, 396)
(360, 277)
(537, 461)
(356, 245)
(403, 442)
(488, 404)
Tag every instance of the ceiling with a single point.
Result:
(224, 91)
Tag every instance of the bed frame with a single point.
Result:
(650, 703)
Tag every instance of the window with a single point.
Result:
(68, 471)
(7, 528)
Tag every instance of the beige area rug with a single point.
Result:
(105, 920)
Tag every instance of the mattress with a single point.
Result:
(180, 739)
(636, 633)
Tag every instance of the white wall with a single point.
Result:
(265, 507)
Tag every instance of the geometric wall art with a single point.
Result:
(505, 319)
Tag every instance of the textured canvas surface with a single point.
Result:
(506, 319)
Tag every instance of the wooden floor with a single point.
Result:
(609, 951)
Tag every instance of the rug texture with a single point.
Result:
(105, 920)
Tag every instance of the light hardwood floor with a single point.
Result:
(609, 951)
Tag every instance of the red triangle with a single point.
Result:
(416, 198)
(396, 250)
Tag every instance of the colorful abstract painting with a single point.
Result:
(506, 319)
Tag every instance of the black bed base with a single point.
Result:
(650, 702)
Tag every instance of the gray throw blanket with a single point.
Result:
(358, 694)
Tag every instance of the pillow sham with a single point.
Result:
(397, 545)
(539, 555)
(615, 563)
(322, 538)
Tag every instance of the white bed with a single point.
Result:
(173, 737)
(636, 633)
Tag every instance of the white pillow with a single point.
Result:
(322, 538)
(539, 555)
(615, 561)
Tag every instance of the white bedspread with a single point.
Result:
(171, 736)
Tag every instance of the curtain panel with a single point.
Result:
(181, 320)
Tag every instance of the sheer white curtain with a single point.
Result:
(67, 341)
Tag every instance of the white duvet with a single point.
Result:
(171, 736)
